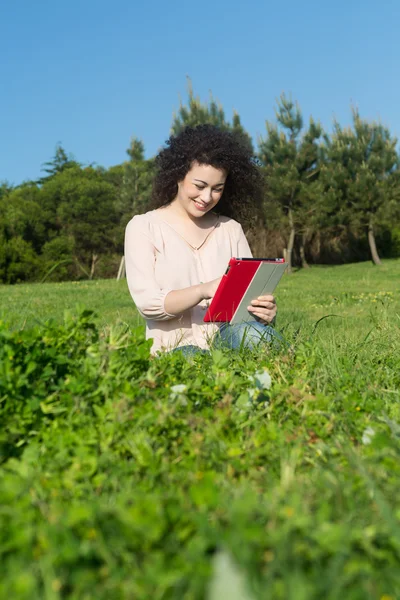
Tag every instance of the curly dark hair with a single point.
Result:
(208, 145)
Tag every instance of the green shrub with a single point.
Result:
(18, 260)
(57, 259)
(123, 475)
(395, 246)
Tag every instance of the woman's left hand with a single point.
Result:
(264, 308)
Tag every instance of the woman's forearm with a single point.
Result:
(178, 301)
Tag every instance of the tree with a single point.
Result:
(137, 180)
(360, 175)
(57, 259)
(394, 227)
(18, 260)
(23, 217)
(290, 156)
(199, 113)
(22, 233)
(85, 215)
(5, 189)
(19, 219)
(59, 163)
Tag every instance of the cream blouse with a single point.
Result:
(158, 260)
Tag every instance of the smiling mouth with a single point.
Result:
(200, 206)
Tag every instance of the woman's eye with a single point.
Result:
(202, 187)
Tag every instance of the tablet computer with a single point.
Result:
(244, 280)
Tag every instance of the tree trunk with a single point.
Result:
(81, 267)
(372, 245)
(290, 243)
(318, 244)
(95, 258)
(304, 262)
(121, 270)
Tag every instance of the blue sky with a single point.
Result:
(92, 74)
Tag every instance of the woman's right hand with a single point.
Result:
(209, 288)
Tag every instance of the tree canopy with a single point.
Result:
(328, 197)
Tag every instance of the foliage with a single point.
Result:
(360, 176)
(136, 184)
(18, 261)
(395, 241)
(86, 213)
(321, 199)
(5, 189)
(21, 234)
(59, 163)
(291, 159)
(64, 226)
(57, 258)
(21, 215)
(198, 113)
(128, 476)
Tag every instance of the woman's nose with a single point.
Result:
(206, 195)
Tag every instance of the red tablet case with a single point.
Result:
(241, 277)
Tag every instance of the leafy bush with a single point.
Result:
(123, 475)
(395, 247)
(18, 261)
(57, 259)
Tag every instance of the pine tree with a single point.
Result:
(199, 113)
(5, 189)
(291, 159)
(60, 161)
(136, 183)
(359, 176)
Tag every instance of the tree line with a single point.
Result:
(329, 198)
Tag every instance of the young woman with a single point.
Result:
(177, 253)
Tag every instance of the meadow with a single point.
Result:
(245, 475)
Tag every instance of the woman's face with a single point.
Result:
(201, 189)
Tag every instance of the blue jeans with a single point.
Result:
(243, 335)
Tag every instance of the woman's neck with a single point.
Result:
(175, 210)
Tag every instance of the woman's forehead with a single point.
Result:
(207, 173)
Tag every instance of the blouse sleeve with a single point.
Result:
(140, 257)
(243, 248)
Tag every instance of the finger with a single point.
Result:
(263, 318)
(268, 298)
(263, 314)
(262, 309)
(264, 304)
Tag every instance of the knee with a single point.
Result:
(248, 335)
(253, 332)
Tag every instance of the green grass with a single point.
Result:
(116, 484)
(31, 304)
(303, 298)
